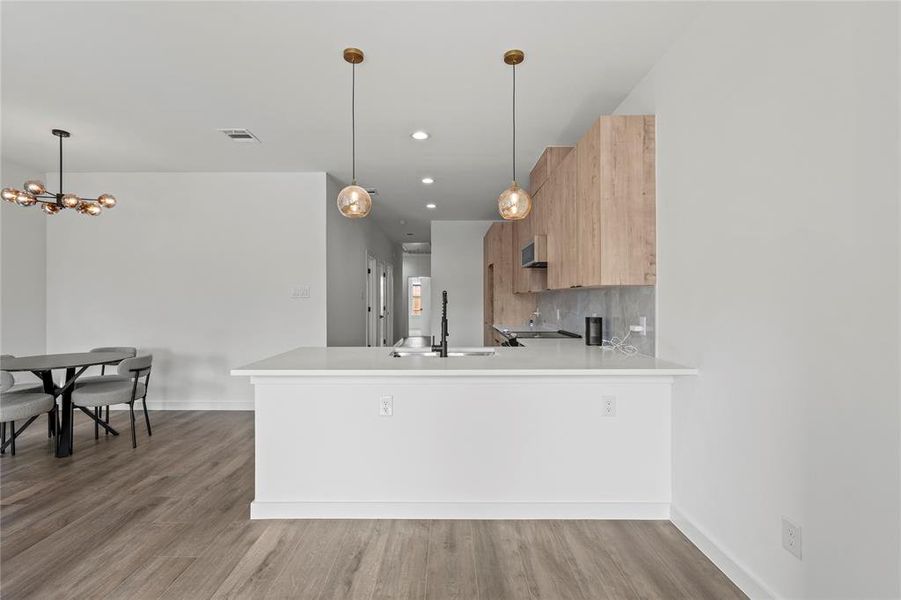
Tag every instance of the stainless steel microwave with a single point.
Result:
(534, 253)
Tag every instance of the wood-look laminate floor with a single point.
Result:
(170, 520)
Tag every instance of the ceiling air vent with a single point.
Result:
(240, 135)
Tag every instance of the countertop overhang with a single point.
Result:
(549, 357)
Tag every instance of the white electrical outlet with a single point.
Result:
(609, 405)
(386, 406)
(791, 537)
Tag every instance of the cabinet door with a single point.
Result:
(555, 234)
(615, 190)
(522, 231)
(562, 219)
(588, 202)
(528, 280)
(569, 221)
(536, 278)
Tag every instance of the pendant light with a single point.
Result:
(514, 203)
(354, 202)
(35, 192)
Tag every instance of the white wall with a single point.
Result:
(778, 277)
(349, 240)
(414, 265)
(457, 266)
(197, 268)
(23, 247)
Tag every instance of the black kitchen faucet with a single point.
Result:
(441, 347)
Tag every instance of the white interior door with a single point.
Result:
(389, 305)
(382, 304)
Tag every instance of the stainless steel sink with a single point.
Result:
(401, 352)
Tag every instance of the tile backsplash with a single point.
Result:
(619, 306)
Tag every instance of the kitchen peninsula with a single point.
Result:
(553, 429)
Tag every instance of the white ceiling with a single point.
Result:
(143, 86)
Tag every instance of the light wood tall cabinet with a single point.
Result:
(501, 305)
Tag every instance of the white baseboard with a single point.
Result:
(459, 510)
(189, 405)
(746, 581)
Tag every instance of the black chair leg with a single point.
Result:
(106, 420)
(49, 426)
(3, 436)
(96, 426)
(12, 442)
(146, 415)
(134, 440)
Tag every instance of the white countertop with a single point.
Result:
(536, 357)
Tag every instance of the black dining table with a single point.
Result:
(43, 365)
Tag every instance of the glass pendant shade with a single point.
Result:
(107, 200)
(93, 209)
(70, 201)
(354, 202)
(25, 199)
(9, 194)
(35, 187)
(514, 203)
(50, 209)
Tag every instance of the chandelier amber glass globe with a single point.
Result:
(354, 202)
(35, 187)
(107, 200)
(9, 194)
(70, 201)
(25, 199)
(514, 203)
(50, 209)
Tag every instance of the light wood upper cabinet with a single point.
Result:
(596, 204)
(529, 280)
(535, 280)
(616, 203)
(545, 165)
(562, 271)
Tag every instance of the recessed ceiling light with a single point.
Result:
(431, 205)
(428, 180)
(419, 135)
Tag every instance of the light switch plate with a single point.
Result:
(300, 292)
(609, 407)
(791, 537)
(386, 406)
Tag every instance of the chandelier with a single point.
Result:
(36, 193)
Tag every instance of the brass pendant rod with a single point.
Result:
(353, 122)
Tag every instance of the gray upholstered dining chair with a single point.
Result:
(123, 388)
(21, 405)
(24, 387)
(131, 352)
